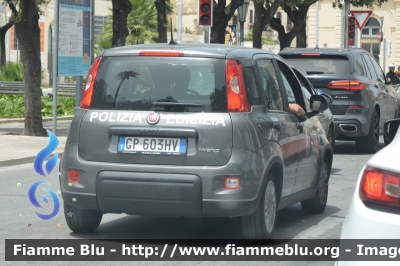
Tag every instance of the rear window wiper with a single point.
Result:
(177, 104)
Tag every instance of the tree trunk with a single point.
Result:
(262, 17)
(161, 20)
(28, 34)
(258, 24)
(285, 39)
(301, 37)
(121, 10)
(3, 31)
(298, 17)
(222, 14)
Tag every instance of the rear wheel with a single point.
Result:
(318, 203)
(369, 143)
(82, 221)
(261, 224)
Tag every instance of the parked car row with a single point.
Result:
(198, 130)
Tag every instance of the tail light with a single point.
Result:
(87, 92)
(236, 92)
(355, 107)
(73, 176)
(310, 54)
(161, 53)
(232, 183)
(380, 186)
(348, 85)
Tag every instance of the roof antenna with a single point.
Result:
(172, 37)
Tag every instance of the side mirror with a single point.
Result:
(328, 97)
(390, 129)
(318, 103)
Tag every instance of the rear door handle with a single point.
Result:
(276, 126)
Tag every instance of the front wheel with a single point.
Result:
(318, 203)
(261, 223)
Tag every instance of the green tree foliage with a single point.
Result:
(12, 72)
(359, 3)
(13, 106)
(142, 25)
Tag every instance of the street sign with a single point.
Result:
(380, 36)
(361, 16)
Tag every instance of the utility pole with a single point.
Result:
(346, 32)
(316, 24)
(55, 65)
(179, 27)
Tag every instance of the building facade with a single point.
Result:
(329, 30)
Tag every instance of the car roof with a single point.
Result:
(327, 51)
(189, 49)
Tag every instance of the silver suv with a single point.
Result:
(194, 131)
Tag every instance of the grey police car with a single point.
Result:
(193, 130)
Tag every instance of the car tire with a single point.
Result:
(261, 223)
(331, 138)
(82, 221)
(317, 204)
(369, 143)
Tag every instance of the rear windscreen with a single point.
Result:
(160, 84)
(329, 65)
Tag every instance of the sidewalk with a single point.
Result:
(18, 149)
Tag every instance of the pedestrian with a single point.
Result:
(391, 77)
(397, 73)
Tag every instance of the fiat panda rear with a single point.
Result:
(154, 136)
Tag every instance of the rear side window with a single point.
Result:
(371, 73)
(135, 83)
(360, 66)
(378, 70)
(327, 65)
(270, 85)
(253, 96)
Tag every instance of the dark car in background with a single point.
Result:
(193, 130)
(362, 98)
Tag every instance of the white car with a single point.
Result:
(375, 208)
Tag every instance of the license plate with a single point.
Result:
(318, 91)
(160, 146)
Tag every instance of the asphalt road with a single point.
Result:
(19, 221)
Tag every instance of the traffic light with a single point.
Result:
(351, 31)
(205, 17)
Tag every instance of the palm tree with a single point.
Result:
(142, 25)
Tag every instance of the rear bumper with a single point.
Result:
(348, 128)
(360, 219)
(164, 190)
(352, 125)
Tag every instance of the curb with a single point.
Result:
(44, 119)
(25, 160)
